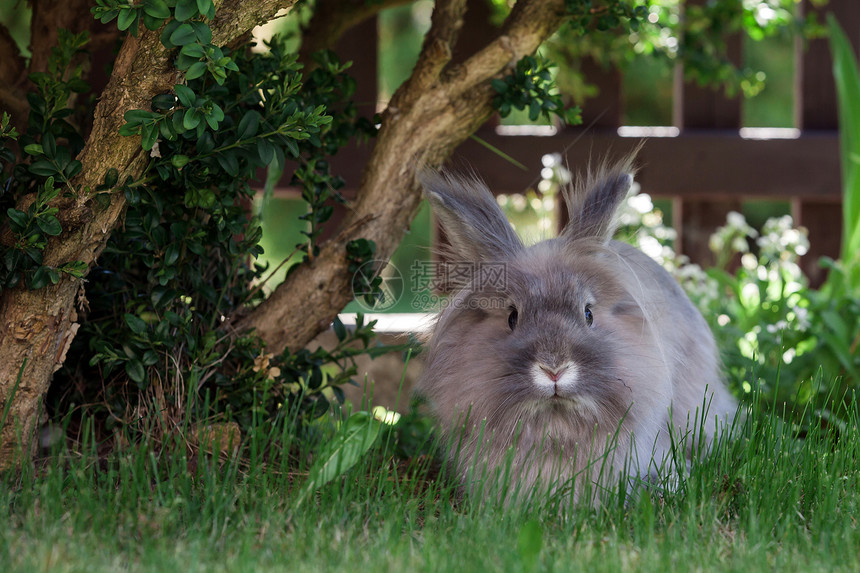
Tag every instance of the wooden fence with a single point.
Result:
(706, 167)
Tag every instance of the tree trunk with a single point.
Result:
(37, 326)
(437, 108)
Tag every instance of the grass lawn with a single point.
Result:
(773, 498)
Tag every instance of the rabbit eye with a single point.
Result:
(589, 317)
(512, 319)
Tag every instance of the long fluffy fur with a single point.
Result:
(637, 365)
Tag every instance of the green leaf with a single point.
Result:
(156, 9)
(135, 323)
(171, 27)
(339, 328)
(186, 95)
(138, 116)
(148, 133)
(196, 71)
(203, 32)
(33, 149)
(49, 145)
(179, 161)
(43, 276)
(194, 51)
(205, 6)
(75, 268)
(228, 163)
(164, 102)
(49, 225)
(265, 151)
(111, 177)
(134, 369)
(127, 17)
(343, 451)
(534, 110)
(151, 22)
(248, 125)
(501, 86)
(184, 34)
(192, 119)
(72, 168)
(171, 254)
(185, 9)
(43, 168)
(18, 218)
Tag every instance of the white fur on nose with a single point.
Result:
(555, 380)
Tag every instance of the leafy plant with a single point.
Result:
(778, 337)
(672, 31)
(51, 143)
(531, 86)
(152, 316)
(847, 76)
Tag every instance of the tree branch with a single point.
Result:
(435, 53)
(427, 119)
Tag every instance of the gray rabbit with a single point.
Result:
(571, 360)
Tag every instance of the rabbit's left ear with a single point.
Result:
(472, 220)
(593, 201)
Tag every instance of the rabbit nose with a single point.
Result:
(554, 374)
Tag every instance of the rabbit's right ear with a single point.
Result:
(472, 220)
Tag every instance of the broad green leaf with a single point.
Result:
(179, 161)
(43, 276)
(192, 119)
(185, 9)
(148, 133)
(138, 116)
(49, 145)
(49, 225)
(248, 125)
(204, 6)
(339, 328)
(18, 218)
(157, 9)
(164, 101)
(135, 371)
(194, 50)
(203, 32)
(127, 17)
(43, 168)
(184, 34)
(351, 442)
(196, 71)
(135, 323)
(186, 95)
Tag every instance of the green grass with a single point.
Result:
(772, 498)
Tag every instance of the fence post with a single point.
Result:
(703, 108)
